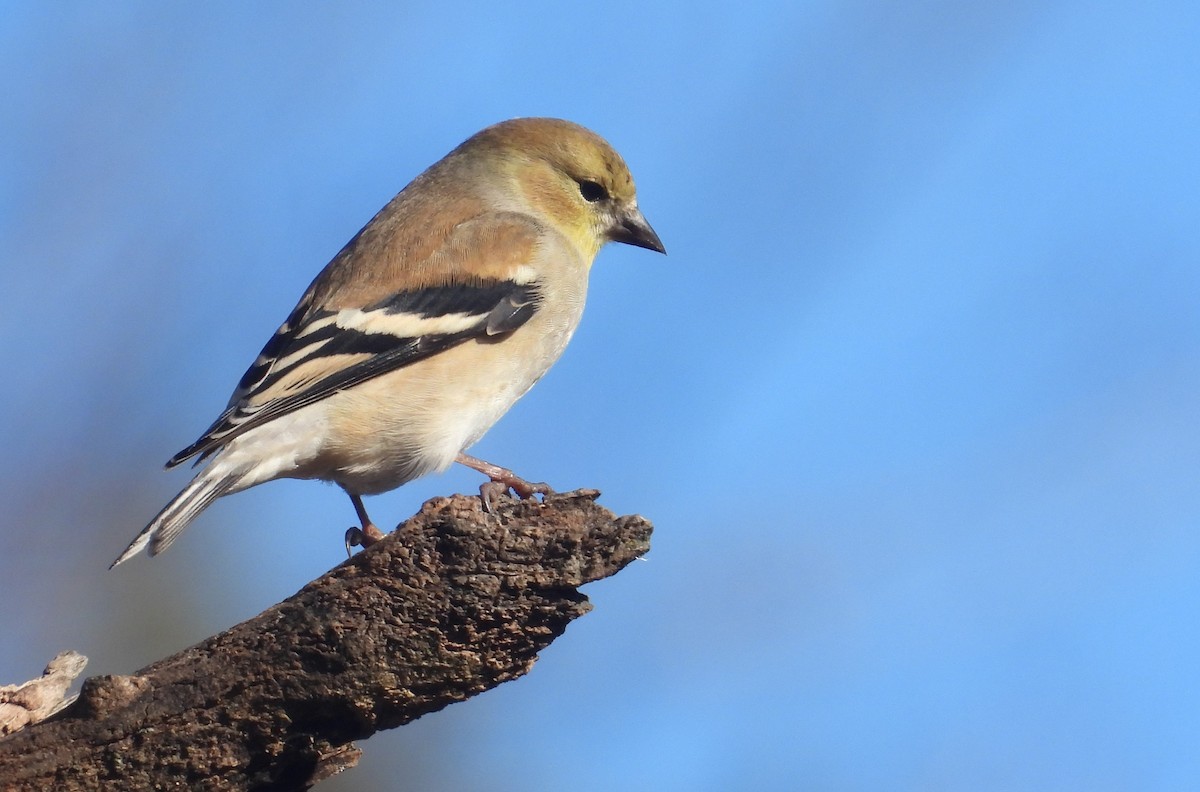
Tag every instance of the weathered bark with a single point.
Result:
(452, 603)
(38, 699)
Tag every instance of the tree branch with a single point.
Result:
(452, 603)
(38, 699)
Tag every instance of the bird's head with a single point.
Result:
(571, 176)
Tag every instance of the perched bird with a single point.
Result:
(425, 328)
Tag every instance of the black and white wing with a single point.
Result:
(318, 352)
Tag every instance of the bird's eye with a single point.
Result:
(591, 191)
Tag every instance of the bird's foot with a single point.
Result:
(490, 491)
(362, 537)
(502, 480)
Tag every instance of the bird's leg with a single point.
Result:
(368, 534)
(501, 481)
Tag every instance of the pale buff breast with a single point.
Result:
(416, 420)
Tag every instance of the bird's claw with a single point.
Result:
(361, 537)
(354, 537)
(491, 491)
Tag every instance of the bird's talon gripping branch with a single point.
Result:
(362, 537)
(365, 536)
(354, 537)
(490, 491)
(501, 481)
(527, 489)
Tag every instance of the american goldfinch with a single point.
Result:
(425, 328)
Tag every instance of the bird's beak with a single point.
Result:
(632, 228)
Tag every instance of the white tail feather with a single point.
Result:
(170, 522)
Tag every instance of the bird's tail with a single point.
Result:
(211, 484)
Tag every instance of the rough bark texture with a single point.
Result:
(452, 603)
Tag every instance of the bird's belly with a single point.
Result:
(413, 421)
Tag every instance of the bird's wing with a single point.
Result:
(321, 350)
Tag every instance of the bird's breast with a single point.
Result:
(415, 420)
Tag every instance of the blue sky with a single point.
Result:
(912, 402)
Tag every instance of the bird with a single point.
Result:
(425, 328)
